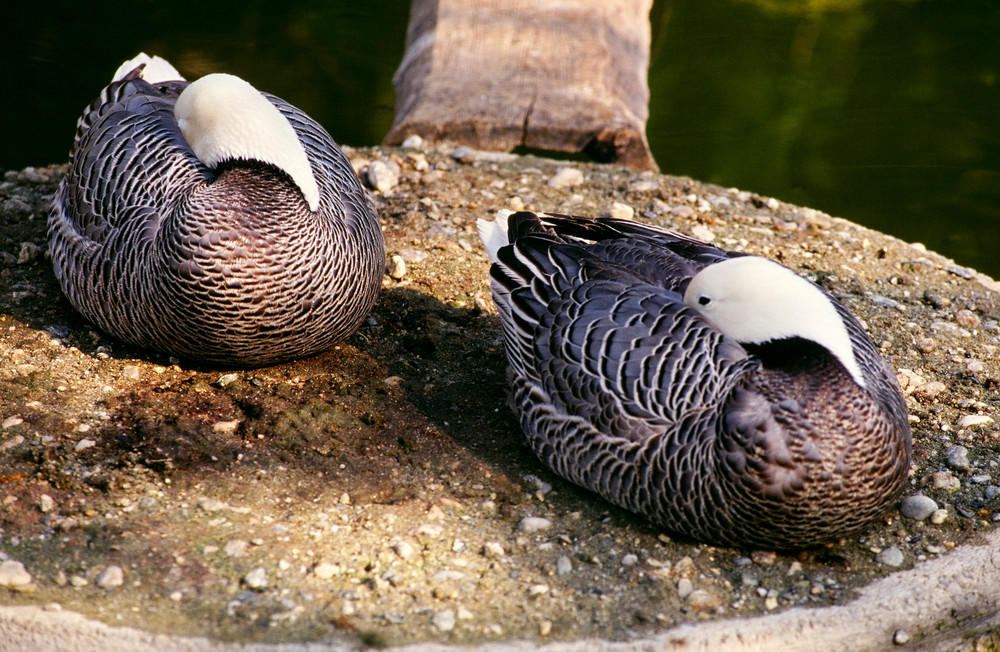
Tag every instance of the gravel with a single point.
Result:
(408, 419)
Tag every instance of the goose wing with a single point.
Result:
(334, 173)
(657, 255)
(128, 161)
(602, 342)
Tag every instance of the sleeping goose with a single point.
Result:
(213, 222)
(721, 395)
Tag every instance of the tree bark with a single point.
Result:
(562, 75)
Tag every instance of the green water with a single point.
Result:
(886, 112)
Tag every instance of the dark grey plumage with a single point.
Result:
(226, 265)
(623, 388)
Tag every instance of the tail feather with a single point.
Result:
(156, 70)
(494, 233)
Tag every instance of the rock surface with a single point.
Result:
(383, 482)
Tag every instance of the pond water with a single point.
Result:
(885, 112)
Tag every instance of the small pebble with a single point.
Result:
(110, 578)
(13, 574)
(78, 581)
(545, 628)
(131, 372)
(944, 480)
(957, 457)
(939, 516)
(917, 507)
(464, 154)
(566, 178)
(967, 319)
(972, 420)
(533, 524)
(29, 252)
(325, 570)
(226, 427)
(381, 177)
(404, 549)
(763, 557)
(46, 503)
(703, 233)
(891, 556)
(629, 560)
(397, 267)
(11, 422)
(84, 444)
(900, 637)
(212, 505)
(226, 379)
(256, 580)
(564, 566)
(621, 211)
(684, 588)
(236, 548)
(413, 141)
(702, 600)
(444, 620)
(493, 549)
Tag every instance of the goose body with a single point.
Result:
(213, 222)
(719, 394)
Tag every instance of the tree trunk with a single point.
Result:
(562, 75)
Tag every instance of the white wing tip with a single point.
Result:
(157, 69)
(493, 233)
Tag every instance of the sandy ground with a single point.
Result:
(377, 494)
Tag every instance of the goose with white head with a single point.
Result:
(721, 395)
(213, 222)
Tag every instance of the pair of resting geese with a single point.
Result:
(719, 394)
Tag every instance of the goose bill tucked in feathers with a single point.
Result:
(211, 221)
(719, 394)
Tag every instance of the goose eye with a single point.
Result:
(703, 300)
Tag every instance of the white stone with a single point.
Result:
(325, 570)
(397, 267)
(13, 574)
(256, 580)
(621, 211)
(110, 578)
(533, 524)
(566, 178)
(972, 420)
(444, 620)
(46, 503)
(381, 176)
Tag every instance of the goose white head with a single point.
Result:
(224, 118)
(756, 300)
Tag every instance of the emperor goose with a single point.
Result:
(721, 395)
(211, 221)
